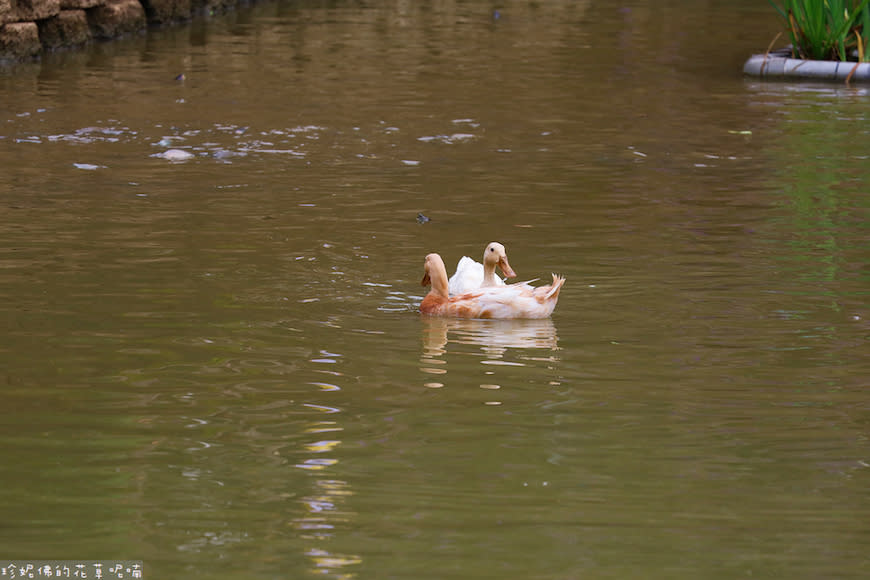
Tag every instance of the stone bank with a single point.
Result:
(29, 27)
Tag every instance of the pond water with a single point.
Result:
(213, 360)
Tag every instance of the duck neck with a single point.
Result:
(489, 278)
(440, 284)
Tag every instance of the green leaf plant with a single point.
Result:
(826, 29)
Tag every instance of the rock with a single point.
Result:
(163, 11)
(35, 9)
(7, 14)
(116, 18)
(68, 28)
(19, 40)
(82, 4)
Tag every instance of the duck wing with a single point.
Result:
(468, 277)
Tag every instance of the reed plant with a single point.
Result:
(826, 29)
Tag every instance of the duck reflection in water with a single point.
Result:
(494, 337)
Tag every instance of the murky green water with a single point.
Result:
(216, 366)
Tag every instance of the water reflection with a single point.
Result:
(324, 508)
(324, 512)
(493, 337)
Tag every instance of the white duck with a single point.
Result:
(471, 275)
(510, 301)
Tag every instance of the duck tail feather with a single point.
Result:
(556, 286)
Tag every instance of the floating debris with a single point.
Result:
(174, 155)
(448, 139)
(226, 154)
(421, 219)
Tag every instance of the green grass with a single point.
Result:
(826, 29)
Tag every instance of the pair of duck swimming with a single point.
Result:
(474, 291)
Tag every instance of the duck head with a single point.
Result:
(495, 255)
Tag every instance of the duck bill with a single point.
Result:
(506, 268)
